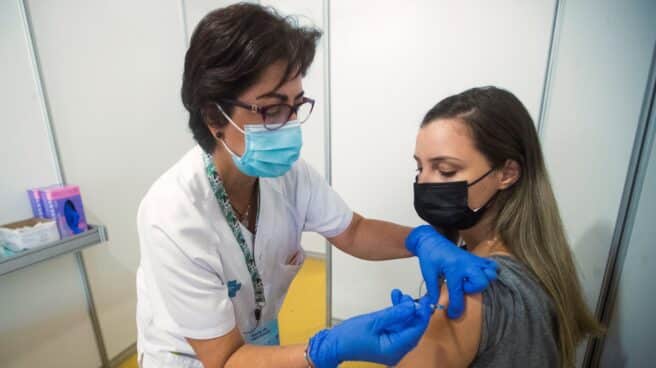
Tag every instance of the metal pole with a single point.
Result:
(328, 150)
(91, 309)
(548, 74)
(183, 15)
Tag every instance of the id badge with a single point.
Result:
(267, 334)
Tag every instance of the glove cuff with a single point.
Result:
(411, 246)
(321, 351)
(417, 237)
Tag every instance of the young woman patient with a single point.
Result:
(481, 172)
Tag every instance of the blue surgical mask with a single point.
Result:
(267, 153)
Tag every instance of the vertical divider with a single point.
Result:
(328, 149)
(626, 215)
(548, 74)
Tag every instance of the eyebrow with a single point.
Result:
(280, 96)
(439, 158)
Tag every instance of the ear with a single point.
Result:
(217, 135)
(217, 132)
(210, 118)
(510, 174)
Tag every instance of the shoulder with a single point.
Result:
(497, 315)
(300, 175)
(183, 184)
(297, 185)
(515, 290)
(177, 203)
(515, 299)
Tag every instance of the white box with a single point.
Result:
(30, 233)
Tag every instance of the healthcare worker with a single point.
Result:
(220, 231)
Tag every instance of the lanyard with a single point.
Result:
(224, 204)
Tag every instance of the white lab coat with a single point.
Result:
(189, 254)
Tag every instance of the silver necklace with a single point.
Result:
(244, 218)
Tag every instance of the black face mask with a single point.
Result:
(444, 205)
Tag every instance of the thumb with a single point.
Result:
(396, 296)
(426, 309)
(413, 329)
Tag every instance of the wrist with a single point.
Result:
(308, 360)
(411, 246)
(417, 239)
(321, 351)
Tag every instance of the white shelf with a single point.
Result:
(95, 235)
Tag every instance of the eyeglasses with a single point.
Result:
(277, 115)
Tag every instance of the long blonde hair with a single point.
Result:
(527, 217)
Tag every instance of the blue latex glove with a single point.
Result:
(382, 337)
(439, 257)
(72, 217)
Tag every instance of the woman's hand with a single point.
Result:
(439, 257)
(380, 337)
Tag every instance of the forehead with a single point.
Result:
(270, 79)
(445, 137)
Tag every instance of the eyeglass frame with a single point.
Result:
(293, 109)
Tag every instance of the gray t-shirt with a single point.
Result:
(519, 321)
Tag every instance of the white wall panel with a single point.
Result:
(42, 308)
(26, 160)
(599, 79)
(195, 10)
(390, 64)
(631, 331)
(112, 71)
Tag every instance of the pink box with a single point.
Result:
(64, 205)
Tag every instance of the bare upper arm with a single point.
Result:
(216, 352)
(446, 342)
(346, 239)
